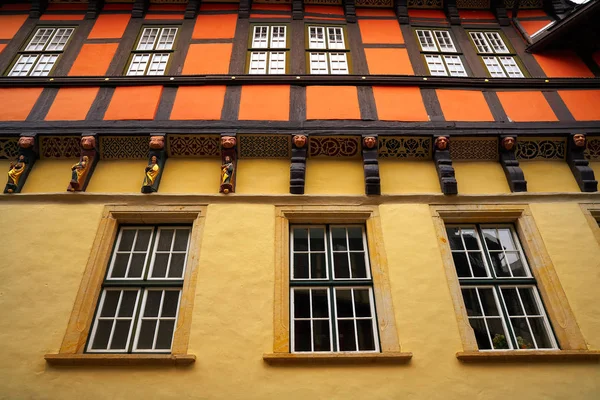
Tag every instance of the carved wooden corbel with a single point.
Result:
(297, 9)
(371, 165)
(401, 10)
(579, 165)
(157, 157)
(298, 165)
(82, 171)
(452, 12)
(244, 10)
(228, 164)
(499, 10)
(37, 8)
(443, 165)
(510, 164)
(350, 10)
(19, 169)
(94, 7)
(191, 9)
(139, 8)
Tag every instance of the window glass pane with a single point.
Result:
(366, 341)
(435, 65)
(496, 41)
(454, 238)
(359, 267)
(181, 239)
(318, 268)
(300, 266)
(177, 264)
(60, 39)
(165, 334)
(491, 239)
(471, 302)
(470, 238)
(493, 67)
(146, 337)
(516, 265)
(153, 298)
(362, 302)
(340, 265)
(277, 62)
(355, 238)
(170, 303)
(477, 264)
(258, 63)
(316, 37)
(259, 40)
(346, 335)
(142, 241)
(498, 334)
(111, 300)
(338, 63)
(335, 38)
(128, 303)
(455, 66)
(338, 237)
(23, 65)
(148, 38)
(136, 266)
(488, 302)
(540, 333)
(344, 303)
(120, 335)
(167, 39)
(500, 265)
(102, 335)
(165, 239)
(506, 238)
(480, 42)
(521, 329)
(159, 269)
(444, 41)
(462, 265)
(317, 239)
(300, 239)
(318, 63)
(301, 303)
(320, 304)
(138, 65)
(39, 40)
(278, 37)
(322, 336)
(481, 334)
(158, 65)
(511, 300)
(302, 339)
(120, 265)
(426, 40)
(529, 301)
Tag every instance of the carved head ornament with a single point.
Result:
(579, 140)
(299, 141)
(370, 142)
(88, 142)
(228, 142)
(153, 160)
(441, 143)
(508, 143)
(26, 142)
(157, 142)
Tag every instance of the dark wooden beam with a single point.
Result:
(140, 7)
(401, 10)
(298, 163)
(37, 8)
(191, 9)
(443, 165)
(371, 165)
(350, 10)
(452, 12)
(580, 166)
(94, 7)
(297, 9)
(510, 164)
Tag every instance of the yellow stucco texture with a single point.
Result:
(480, 177)
(186, 175)
(549, 176)
(49, 176)
(331, 176)
(408, 177)
(117, 176)
(263, 176)
(596, 167)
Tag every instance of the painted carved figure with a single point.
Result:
(26, 142)
(227, 174)
(369, 142)
(508, 143)
(88, 142)
(228, 142)
(78, 171)
(157, 142)
(151, 172)
(579, 140)
(14, 173)
(299, 141)
(441, 143)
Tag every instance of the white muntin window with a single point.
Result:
(440, 54)
(332, 59)
(331, 290)
(500, 294)
(138, 306)
(42, 52)
(268, 50)
(490, 43)
(153, 51)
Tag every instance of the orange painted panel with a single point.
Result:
(2, 46)
(215, 26)
(526, 106)
(256, 15)
(272, 7)
(563, 64)
(17, 103)
(378, 31)
(532, 27)
(596, 57)
(324, 10)
(135, 102)
(212, 58)
(198, 102)
(269, 103)
(167, 7)
(332, 102)
(72, 104)
(10, 24)
(375, 12)
(389, 61)
(531, 13)
(475, 14)
(93, 59)
(109, 26)
(164, 16)
(416, 13)
(321, 19)
(65, 17)
(583, 104)
(399, 103)
(464, 105)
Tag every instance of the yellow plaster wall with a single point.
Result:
(49, 176)
(480, 177)
(399, 176)
(596, 167)
(331, 176)
(117, 176)
(187, 175)
(263, 176)
(549, 176)
(233, 314)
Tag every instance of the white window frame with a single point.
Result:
(437, 49)
(149, 48)
(372, 318)
(310, 319)
(331, 54)
(158, 319)
(42, 52)
(496, 55)
(270, 48)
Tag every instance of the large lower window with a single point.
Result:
(331, 290)
(440, 53)
(41, 53)
(499, 59)
(153, 51)
(139, 303)
(268, 50)
(327, 50)
(500, 294)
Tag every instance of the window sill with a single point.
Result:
(119, 359)
(528, 355)
(337, 358)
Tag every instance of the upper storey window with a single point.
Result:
(327, 50)
(440, 53)
(499, 59)
(153, 51)
(268, 49)
(41, 52)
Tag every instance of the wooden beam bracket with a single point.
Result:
(298, 164)
(191, 9)
(510, 164)
(443, 165)
(371, 165)
(579, 165)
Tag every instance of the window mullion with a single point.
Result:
(506, 317)
(486, 253)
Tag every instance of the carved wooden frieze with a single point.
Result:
(425, 3)
(510, 164)
(418, 148)
(541, 149)
(60, 146)
(9, 147)
(473, 4)
(156, 164)
(82, 170)
(324, 2)
(371, 165)
(298, 164)
(19, 169)
(193, 146)
(228, 164)
(123, 147)
(484, 149)
(592, 151)
(443, 165)
(524, 4)
(334, 146)
(374, 3)
(264, 146)
(584, 175)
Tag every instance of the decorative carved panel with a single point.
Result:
(123, 147)
(9, 148)
(375, 3)
(473, 4)
(509, 4)
(404, 147)
(474, 149)
(592, 152)
(324, 2)
(264, 146)
(273, 1)
(425, 3)
(334, 146)
(541, 148)
(193, 146)
(60, 147)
